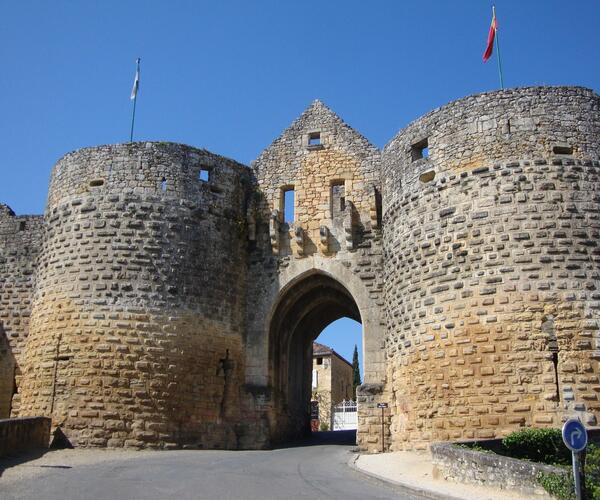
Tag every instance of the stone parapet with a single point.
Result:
(461, 465)
(18, 435)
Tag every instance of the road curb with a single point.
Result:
(405, 488)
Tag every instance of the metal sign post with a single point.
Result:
(575, 438)
(383, 406)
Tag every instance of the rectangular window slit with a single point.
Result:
(204, 175)
(420, 150)
(338, 199)
(163, 184)
(562, 150)
(314, 139)
(288, 204)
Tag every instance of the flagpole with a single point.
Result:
(497, 49)
(132, 119)
(134, 92)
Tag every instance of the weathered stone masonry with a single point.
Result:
(20, 239)
(137, 318)
(492, 266)
(171, 305)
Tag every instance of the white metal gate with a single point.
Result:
(345, 416)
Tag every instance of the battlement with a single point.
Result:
(146, 168)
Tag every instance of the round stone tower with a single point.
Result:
(136, 328)
(491, 218)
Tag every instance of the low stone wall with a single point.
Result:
(24, 434)
(462, 465)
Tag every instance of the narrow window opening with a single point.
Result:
(555, 364)
(420, 150)
(427, 177)
(562, 150)
(97, 182)
(163, 184)
(15, 390)
(204, 175)
(22, 225)
(288, 204)
(378, 206)
(319, 361)
(338, 199)
(314, 139)
(550, 333)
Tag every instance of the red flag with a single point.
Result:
(491, 35)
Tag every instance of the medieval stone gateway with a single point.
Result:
(163, 301)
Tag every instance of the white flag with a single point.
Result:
(136, 82)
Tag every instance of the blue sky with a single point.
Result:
(231, 75)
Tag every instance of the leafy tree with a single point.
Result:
(355, 372)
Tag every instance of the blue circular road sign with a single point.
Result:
(574, 435)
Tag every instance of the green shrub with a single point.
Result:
(563, 488)
(538, 445)
(592, 471)
(557, 486)
(324, 426)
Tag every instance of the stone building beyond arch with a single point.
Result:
(165, 299)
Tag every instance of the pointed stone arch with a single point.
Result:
(303, 310)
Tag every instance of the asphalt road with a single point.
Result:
(314, 469)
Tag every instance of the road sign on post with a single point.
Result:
(575, 437)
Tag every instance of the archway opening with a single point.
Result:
(303, 311)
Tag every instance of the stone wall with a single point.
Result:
(492, 265)
(462, 465)
(7, 375)
(24, 434)
(137, 322)
(341, 380)
(20, 242)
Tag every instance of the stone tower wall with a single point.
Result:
(137, 321)
(7, 375)
(492, 265)
(20, 242)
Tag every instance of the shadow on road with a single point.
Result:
(339, 438)
(9, 461)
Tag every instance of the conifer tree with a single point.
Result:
(355, 372)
